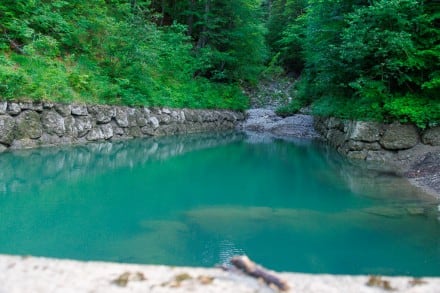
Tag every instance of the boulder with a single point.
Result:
(63, 109)
(116, 129)
(79, 110)
(3, 107)
(53, 123)
(140, 115)
(48, 105)
(7, 125)
(229, 116)
(175, 116)
(148, 130)
(95, 134)
(82, 126)
(146, 111)
(335, 137)
(364, 131)
(31, 106)
(432, 136)
(380, 156)
(357, 155)
(121, 116)
(165, 119)
(399, 137)
(2, 148)
(24, 143)
(134, 131)
(240, 116)
(154, 122)
(69, 124)
(333, 122)
(101, 132)
(107, 131)
(132, 116)
(102, 113)
(29, 125)
(190, 115)
(50, 139)
(354, 145)
(13, 109)
(141, 121)
(320, 125)
(166, 111)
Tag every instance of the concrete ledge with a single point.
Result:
(32, 274)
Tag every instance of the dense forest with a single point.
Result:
(376, 60)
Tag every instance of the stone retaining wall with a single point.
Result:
(376, 142)
(28, 125)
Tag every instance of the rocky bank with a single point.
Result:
(402, 149)
(399, 148)
(33, 124)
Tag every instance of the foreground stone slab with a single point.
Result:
(32, 274)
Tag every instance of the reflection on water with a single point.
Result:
(199, 199)
(30, 170)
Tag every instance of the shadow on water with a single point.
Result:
(198, 199)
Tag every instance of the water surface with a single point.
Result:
(196, 200)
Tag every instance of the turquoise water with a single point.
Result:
(197, 200)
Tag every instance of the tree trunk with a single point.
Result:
(203, 39)
(192, 6)
(163, 12)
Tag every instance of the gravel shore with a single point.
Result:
(425, 173)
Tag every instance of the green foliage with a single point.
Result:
(110, 52)
(228, 35)
(292, 108)
(409, 108)
(373, 60)
(11, 80)
(285, 35)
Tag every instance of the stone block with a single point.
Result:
(7, 124)
(3, 107)
(79, 110)
(63, 109)
(333, 122)
(29, 125)
(35, 106)
(154, 122)
(335, 137)
(53, 123)
(400, 137)
(13, 109)
(107, 131)
(82, 125)
(432, 136)
(364, 131)
(121, 117)
(357, 155)
(102, 113)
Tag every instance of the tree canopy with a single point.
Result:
(376, 60)
(357, 59)
(175, 53)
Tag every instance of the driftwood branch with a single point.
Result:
(12, 43)
(14, 46)
(243, 263)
